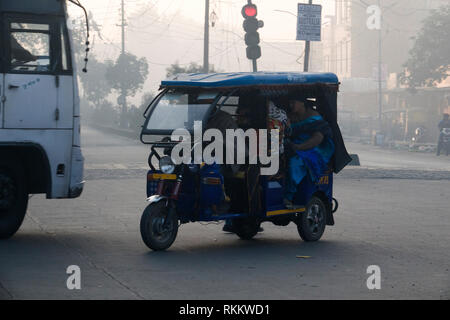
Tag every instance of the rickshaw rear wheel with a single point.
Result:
(311, 224)
(157, 233)
(246, 229)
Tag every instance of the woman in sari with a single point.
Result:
(311, 147)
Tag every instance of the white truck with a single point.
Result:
(39, 108)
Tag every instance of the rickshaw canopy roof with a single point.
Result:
(241, 79)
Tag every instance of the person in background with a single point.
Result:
(311, 147)
(444, 123)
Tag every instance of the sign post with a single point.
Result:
(309, 27)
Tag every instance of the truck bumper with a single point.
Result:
(76, 176)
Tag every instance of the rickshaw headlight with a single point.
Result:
(166, 165)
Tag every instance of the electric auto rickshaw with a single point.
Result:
(195, 191)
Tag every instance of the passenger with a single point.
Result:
(311, 145)
(278, 120)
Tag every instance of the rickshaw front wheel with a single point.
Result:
(157, 232)
(311, 224)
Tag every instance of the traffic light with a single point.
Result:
(251, 26)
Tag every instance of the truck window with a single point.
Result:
(65, 49)
(30, 48)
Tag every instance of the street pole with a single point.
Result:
(206, 39)
(307, 51)
(123, 91)
(123, 27)
(380, 73)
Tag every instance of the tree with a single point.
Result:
(95, 88)
(136, 114)
(128, 74)
(193, 67)
(78, 28)
(146, 99)
(429, 61)
(95, 85)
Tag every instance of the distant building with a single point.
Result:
(350, 49)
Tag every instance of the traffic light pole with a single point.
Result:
(252, 38)
(307, 51)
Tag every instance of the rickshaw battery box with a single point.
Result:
(211, 185)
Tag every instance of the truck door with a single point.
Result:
(31, 79)
(2, 97)
(2, 75)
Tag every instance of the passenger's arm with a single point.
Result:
(313, 142)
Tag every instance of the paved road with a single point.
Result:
(377, 157)
(401, 225)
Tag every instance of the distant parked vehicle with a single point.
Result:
(419, 135)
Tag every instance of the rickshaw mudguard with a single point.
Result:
(322, 189)
(156, 199)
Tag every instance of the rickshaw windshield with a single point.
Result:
(179, 110)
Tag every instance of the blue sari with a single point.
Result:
(313, 162)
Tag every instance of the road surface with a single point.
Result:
(397, 218)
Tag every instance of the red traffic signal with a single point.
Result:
(249, 11)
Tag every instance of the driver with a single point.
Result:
(19, 53)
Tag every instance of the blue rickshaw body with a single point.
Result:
(194, 203)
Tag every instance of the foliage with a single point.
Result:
(193, 67)
(95, 85)
(128, 73)
(429, 61)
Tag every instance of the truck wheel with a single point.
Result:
(13, 200)
(311, 223)
(157, 234)
(246, 229)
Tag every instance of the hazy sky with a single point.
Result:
(278, 25)
(167, 31)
